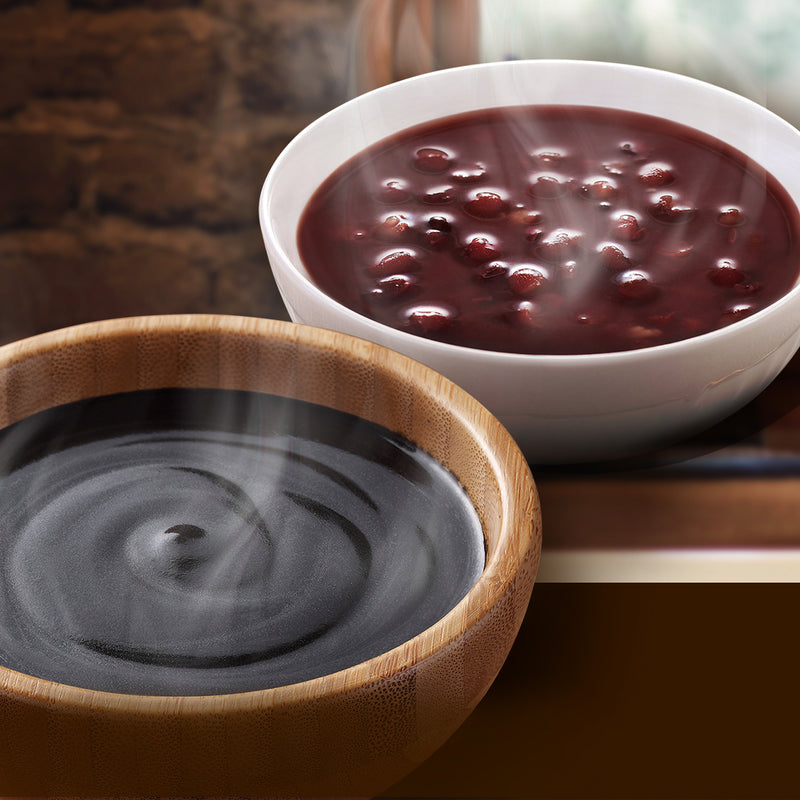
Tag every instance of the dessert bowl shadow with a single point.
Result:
(350, 733)
(559, 408)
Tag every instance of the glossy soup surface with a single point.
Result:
(206, 542)
(552, 229)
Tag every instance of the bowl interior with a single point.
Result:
(342, 133)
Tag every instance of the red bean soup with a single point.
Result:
(552, 229)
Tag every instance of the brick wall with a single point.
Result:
(134, 139)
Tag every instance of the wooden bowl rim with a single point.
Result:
(519, 541)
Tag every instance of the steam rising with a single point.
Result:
(396, 39)
(204, 542)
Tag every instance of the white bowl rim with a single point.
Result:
(445, 349)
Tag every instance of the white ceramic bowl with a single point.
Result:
(559, 408)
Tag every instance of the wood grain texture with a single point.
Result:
(350, 733)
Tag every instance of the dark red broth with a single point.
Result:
(552, 229)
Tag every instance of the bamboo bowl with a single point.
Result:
(351, 733)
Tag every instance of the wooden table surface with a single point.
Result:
(629, 688)
(646, 691)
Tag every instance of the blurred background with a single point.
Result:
(135, 134)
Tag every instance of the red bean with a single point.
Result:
(438, 240)
(526, 280)
(523, 314)
(396, 285)
(614, 257)
(481, 249)
(668, 208)
(439, 195)
(486, 205)
(628, 228)
(603, 190)
(533, 234)
(431, 159)
(430, 319)
(524, 216)
(469, 173)
(548, 185)
(656, 174)
(559, 244)
(493, 270)
(635, 285)
(731, 217)
(440, 223)
(725, 273)
(395, 262)
(394, 228)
